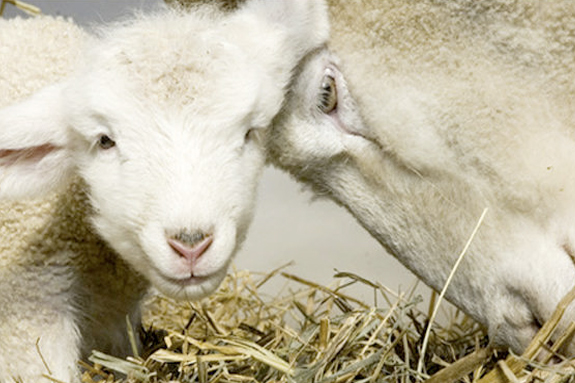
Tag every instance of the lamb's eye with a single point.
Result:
(327, 102)
(105, 142)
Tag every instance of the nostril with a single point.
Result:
(190, 239)
(190, 246)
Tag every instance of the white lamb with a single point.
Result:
(128, 157)
(457, 106)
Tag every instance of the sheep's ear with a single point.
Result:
(306, 21)
(283, 32)
(34, 155)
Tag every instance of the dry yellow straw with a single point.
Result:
(440, 298)
(28, 8)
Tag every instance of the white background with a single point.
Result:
(317, 236)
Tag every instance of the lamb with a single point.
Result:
(130, 158)
(448, 108)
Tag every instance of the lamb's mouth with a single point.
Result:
(192, 280)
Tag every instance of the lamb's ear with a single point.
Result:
(34, 153)
(282, 33)
(306, 21)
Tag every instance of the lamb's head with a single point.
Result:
(164, 120)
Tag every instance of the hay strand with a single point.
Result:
(444, 290)
(30, 9)
(462, 367)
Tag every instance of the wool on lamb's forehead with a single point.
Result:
(178, 60)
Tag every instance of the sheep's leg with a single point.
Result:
(35, 351)
(39, 324)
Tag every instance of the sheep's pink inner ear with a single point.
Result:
(26, 155)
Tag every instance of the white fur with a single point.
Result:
(457, 106)
(187, 97)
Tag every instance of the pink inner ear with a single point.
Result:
(30, 154)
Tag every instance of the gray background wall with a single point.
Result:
(317, 236)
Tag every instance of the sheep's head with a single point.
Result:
(165, 122)
(320, 127)
(424, 212)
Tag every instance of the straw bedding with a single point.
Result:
(314, 333)
(308, 333)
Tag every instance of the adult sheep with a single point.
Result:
(457, 106)
(127, 158)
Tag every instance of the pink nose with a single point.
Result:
(190, 246)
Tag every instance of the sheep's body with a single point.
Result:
(30, 230)
(467, 105)
(129, 158)
(65, 289)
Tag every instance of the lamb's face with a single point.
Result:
(172, 154)
(174, 200)
(172, 193)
